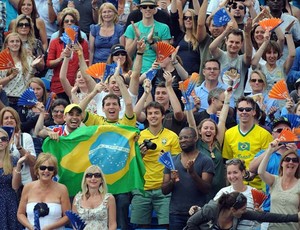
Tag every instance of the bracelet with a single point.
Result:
(18, 172)
(175, 62)
(139, 53)
(50, 4)
(287, 32)
(19, 148)
(226, 103)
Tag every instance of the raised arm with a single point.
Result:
(179, 68)
(92, 48)
(223, 117)
(248, 42)
(178, 114)
(63, 77)
(136, 71)
(140, 105)
(257, 56)
(201, 27)
(263, 174)
(124, 92)
(292, 53)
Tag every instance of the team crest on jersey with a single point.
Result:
(243, 146)
(164, 141)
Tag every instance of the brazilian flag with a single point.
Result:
(112, 147)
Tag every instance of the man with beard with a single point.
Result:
(191, 180)
(246, 139)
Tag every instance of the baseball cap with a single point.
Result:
(281, 120)
(148, 2)
(117, 48)
(70, 107)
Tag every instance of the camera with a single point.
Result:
(149, 144)
(249, 176)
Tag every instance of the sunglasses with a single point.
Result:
(278, 130)
(69, 21)
(58, 111)
(233, 161)
(43, 168)
(26, 24)
(234, 6)
(247, 109)
(4, 139)
(187, 18)
(151, 7)
(96, 175)
(293, 159)
(257, 80)
(120, 53)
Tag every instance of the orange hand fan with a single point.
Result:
(258, 197)
(164, 50)
(296, 131)
(6, 60)
(279, 90)
(287, 135)
(71, 33)
(97, 70)
(270, 23)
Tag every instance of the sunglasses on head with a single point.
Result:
(293, 159)
(279, 130)
(90, 175)
(69, 20)
(239, 200)
(242, 109)
(187, 18)
(50, 168)
(4, 139)
(151, 7)
(26, 24)
(257, 80)
(119, 53)
(233, 161)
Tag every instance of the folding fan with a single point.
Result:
(258, 197)
(270, 23)
(296, 131)
(72, 33)
(221, 18)
(293, 119)
(65, 38)
(166, 160)
(9, 129)
(96, 70)
(150, 74)
(163, 50)
(110, 70)
(27, 98)
(190, 104)
(75, 219)
(231, 77)
(264, 13)
(6, 60)
(287, 135)
(49, 101)
(279, 91)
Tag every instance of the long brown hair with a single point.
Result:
(290, 151)
(7, 161)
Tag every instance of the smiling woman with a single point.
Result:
(47, 193)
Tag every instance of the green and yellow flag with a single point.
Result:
(112, 147)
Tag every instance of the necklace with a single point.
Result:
(212, 154)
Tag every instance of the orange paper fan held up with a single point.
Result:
(258, 197)
(270, 23)
(279, 91)
(287, 135)
(71, 33)
(296, 131)
(97, 70)
(6, 60)
(163, 50)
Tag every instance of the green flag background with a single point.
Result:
(112, 147)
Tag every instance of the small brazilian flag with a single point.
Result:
(112, 147)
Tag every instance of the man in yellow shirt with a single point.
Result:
(152, 198)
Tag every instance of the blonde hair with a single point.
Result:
(111, 7)
(14, 113)
(84, 187)
(45, 157)
(7, 160)
(30, 37)
(193, 38)
(261, 75)
(22, 53)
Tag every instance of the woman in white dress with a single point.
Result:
(94, 205)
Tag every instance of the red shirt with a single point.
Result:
(55, 48)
